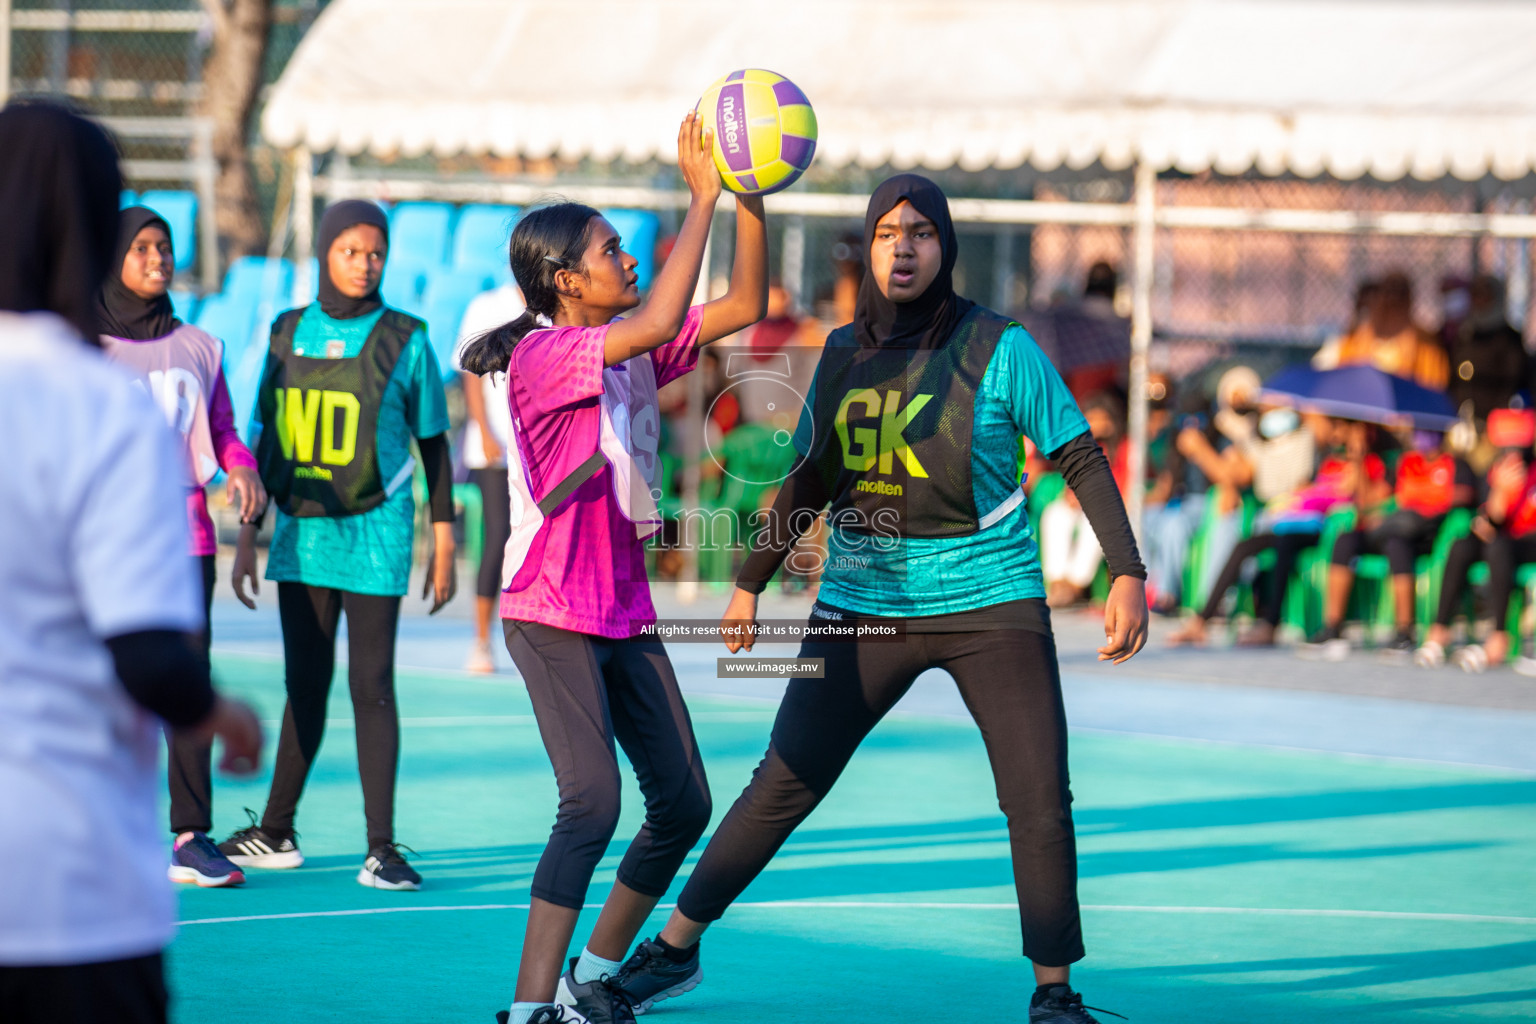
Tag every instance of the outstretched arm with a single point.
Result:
(746, 301)
(661, 318)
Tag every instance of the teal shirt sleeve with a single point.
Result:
(805, 430)
(426, 405)
(1043, 409)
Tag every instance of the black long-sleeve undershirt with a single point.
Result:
(165, 673)
(437, 464)
(1081, 462)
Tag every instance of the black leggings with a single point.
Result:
(1505, 554)
(588, 691)
(309, 616)
(189, 772)
(1402, 539)
(1269, 599)
(1008, 679)
(130, 991)
(496, 515)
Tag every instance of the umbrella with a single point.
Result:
(1361, 393)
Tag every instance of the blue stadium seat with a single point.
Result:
(419, 233)
(185, 304)
(448, 294)
(480, 237)
(402, 287)
(638, 229)
(262, 279)
(180, 211)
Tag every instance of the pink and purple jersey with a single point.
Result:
(183, 371)
(585, 568)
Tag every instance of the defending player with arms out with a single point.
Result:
(348, 384)
(576, 603)
(927, 394)
(181, 367)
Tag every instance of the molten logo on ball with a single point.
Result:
(730, 125)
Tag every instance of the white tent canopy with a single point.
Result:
(1386, 87)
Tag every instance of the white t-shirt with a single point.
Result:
(489, 310)
(94, 545)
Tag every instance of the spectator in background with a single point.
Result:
(1070, 554)
(1291, 522)
(1390, 341)
(1455, 304)
(485, 456)
(1327, 357)
(1089, 343)
(1504, 534)
(1489, 364)
(1426, 484)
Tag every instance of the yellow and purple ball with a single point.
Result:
(765, 130)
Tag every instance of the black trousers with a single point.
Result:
(189, 772)
(310, 616)
(1458, 562)
(128, 991)
(1009, 682)
(1268, 596)
(496, 514)
(587, 692)
(1504, 554)
(1402, 538)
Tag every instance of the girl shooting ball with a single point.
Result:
(576, 603)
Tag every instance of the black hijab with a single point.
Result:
(928, 320)
(338, 218)
(124, 314)
(59, 187)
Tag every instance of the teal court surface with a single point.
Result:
(1246, 855)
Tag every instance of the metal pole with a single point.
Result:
(206, 172)
(792, 267)
(693, 451)
(303, 223)
(5, 52)
(1002, 272)
(1144, 252)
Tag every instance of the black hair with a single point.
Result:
(546, 240)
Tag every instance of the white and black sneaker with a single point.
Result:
(252, 847)
(1327, 644)
(553, 1014)
(602, 1001)
(386, 868)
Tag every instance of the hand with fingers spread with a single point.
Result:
(738, 626)
(1125, 620)
(696, 159)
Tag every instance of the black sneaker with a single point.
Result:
(602, 1001)
(1401, 649)
(649, 976)
(1324, 645)
(547, 1015)
(251, 847)
(386, 868)
(1058, 1004)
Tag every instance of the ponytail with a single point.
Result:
(546, 240)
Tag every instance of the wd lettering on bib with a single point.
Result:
(332, 415)
(318, 449)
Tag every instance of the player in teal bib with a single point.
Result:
(348, 385)
(909, 440)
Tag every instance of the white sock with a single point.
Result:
(591, 967)
(522, 1011)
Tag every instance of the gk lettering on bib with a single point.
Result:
(899, 453)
